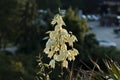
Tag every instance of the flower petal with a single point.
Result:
(65, 64)
(52, 63)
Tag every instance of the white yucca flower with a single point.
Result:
(57, 19)
(58, 27)
(63, 47)
(63, 32)
(56, 47)
(71, 56)
(50, 54)
(75, 51)
(72, 39)
(72, 53)
(65, 64)
(52, 63)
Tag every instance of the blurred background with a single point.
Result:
(23, 23)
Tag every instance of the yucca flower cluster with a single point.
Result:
(56, 47)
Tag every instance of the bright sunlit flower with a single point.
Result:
(72, 53)
(63, 47)
(56, 47)
(50, 54)
(65, 64)
(52, 63)
(57, 19)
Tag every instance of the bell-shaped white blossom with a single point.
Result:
(57, 19)
(56, 47)
(58, 27)
(72, 53)
(72, 39)
(61, 56)
(54, 35)
(63, 47)
(65, 64)
(63, 32)
(50, 54)
(47, 50)
(75, 51)
(52, 63)
(70, 56)
(65, 37)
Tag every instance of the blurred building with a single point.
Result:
(109, 10)
(110, 7)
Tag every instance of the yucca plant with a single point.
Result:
(113, 69)
(56, 46)
(59, 48)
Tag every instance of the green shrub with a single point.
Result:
(16, 67)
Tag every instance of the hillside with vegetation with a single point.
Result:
(38, 55)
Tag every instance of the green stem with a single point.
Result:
(62, 72)
(71, 72)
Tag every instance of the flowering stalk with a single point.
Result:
(56, 47)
